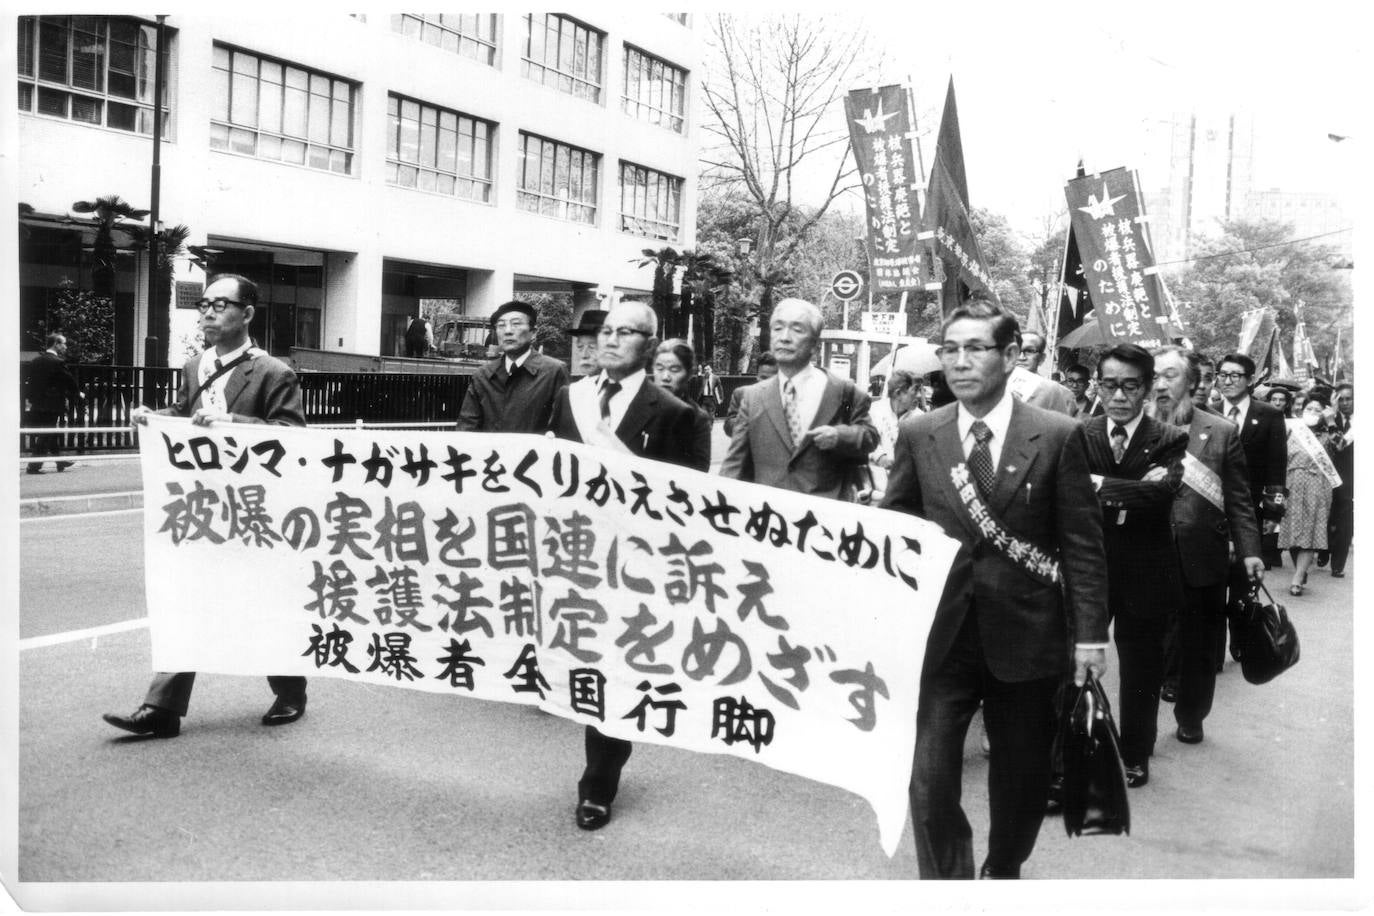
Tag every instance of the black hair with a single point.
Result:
(1132, 355)
(247, 289)
(1005, 328)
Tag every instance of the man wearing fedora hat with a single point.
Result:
(583, 338)
(513, 393)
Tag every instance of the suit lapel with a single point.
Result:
(238, 380)
(1018, 454)
(1099, 449)
(944, 439)
(825, 413)
(640, 411)
(1141, 446)
(772, 408)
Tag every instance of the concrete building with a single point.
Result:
(362, 167)
(1211, 160)
(1309, 213)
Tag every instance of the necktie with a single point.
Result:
(608, 391)
(980, 458)
(1118, 442)
(1234, 415)
(789, 408)
(211, 398)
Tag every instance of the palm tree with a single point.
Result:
(666, 262)
(109, 212)
(702, 276)
(171, 244)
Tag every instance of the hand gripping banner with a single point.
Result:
(657, 603)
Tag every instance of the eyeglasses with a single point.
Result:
(950, 352)
(1031, 351)
(1130, 385)
(620, 333)
(1075, 381)
(216, 305)
(1230, 376)
(514, 324)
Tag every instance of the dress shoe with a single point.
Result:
(1189, 734)
(1054, 804)
(1295, 590)
(995, 872)
(1169, 693)
(591, 816)
(63, 465)
(1338, 574)
(1322, 557)
(284, 711)
(148, 720)
(34, 469)
(1137, 776)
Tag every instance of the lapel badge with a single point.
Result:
(1011, 469)
(1203, 437)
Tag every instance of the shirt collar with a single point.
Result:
(630, 384)
(518, 361)
(1243, 405)
(801, 379)
(998, 419)
(229, 357)
(1130, 427)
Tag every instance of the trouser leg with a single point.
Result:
(1140, 649)
(288, 687)
(1021, 725)
(606, 757)
(170, 691)
(1342, 532)
(1203, 609)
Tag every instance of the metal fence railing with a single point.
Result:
(100, 421)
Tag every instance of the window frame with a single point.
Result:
(395, 161)
(455, 24)
(550, 162)
(637, 61)
(633, 222)
(98, 97)
(568, 71)
(296, 86)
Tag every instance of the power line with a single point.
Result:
(1227, 254)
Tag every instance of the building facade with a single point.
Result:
(362, 168)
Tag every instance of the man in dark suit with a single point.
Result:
(1211, 512)
(1013, 604)
(1342, 530)
(768, 368)
(234, 382)
(50, 389)
(1138, 464)
(808, 430)
(621, 409)
(513, 393)
(1264, 438)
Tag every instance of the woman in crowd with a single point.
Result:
(1281, 398)
(1310, 472)
(672, 371)
(904, 395)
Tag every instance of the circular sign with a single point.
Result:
(846, 285)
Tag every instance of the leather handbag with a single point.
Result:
(1095, 799)
(1263, 636)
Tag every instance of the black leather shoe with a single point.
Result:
(1189, 734)
(284, 712)
(63, 465)
(591, 816)
(1169, 693)
(994, 872)
(1338, 574)
(148, 720)
(33, 469)
(1055, 803)
(1137, 776)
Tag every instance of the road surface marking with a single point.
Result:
(57, 639)
(63, 515)
(59, 499)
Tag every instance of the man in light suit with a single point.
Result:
(806, 430)
(1027, 384)
(1009, 614)
(622, 409)
(1211, 512)
(234, 382)
(1137, 462)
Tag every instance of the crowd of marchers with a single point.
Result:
(1129, 504)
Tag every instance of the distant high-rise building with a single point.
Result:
(1310, 214)
(1210, 168)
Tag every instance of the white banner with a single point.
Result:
(655, 602)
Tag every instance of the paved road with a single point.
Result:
(387, 784)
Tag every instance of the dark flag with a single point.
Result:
(1074, 302)
(1114, 249)
(879, 132)
(947, 223)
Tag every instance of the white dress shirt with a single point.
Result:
(620, 401)
(1130, 428)
(512, 364)
(1243, 406)
(997, 420)
(809, 384)
(212, 397)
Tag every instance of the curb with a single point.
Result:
(49, 506)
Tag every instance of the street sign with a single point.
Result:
(846, 285)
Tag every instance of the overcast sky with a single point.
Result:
(1041, 84)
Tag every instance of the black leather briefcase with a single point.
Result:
(1095, 798)
(1267, 640)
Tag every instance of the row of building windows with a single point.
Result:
(272, 109)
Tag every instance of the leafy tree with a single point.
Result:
(550, 328)
(110, 211)
(1008, 263)
(1255, 264)
(170, 245)
(87, 320)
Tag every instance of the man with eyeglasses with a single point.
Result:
(231, 382)
(1025, 602)
(513, 393)
(1206, 379)
(1137, 463)
(1028, 385)
(805, 430)
(1264, 437)
(1076, 380)
(1211, 512)
(621, 409)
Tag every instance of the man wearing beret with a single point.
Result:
(514, 393)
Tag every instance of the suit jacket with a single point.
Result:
(1344, 460)
(761, 447)
(521, 402)
(50, 386)
(1044, 496)
(701, 439)
(733, 410)
(1142, 565)
(1264, 438)
(656, 425)
(1202, 532)
(262, 389)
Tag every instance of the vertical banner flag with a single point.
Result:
(1074, 301)
(1259, 333)
(654, 602)
(879, 131)
(946, 220)
(1106, 214)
